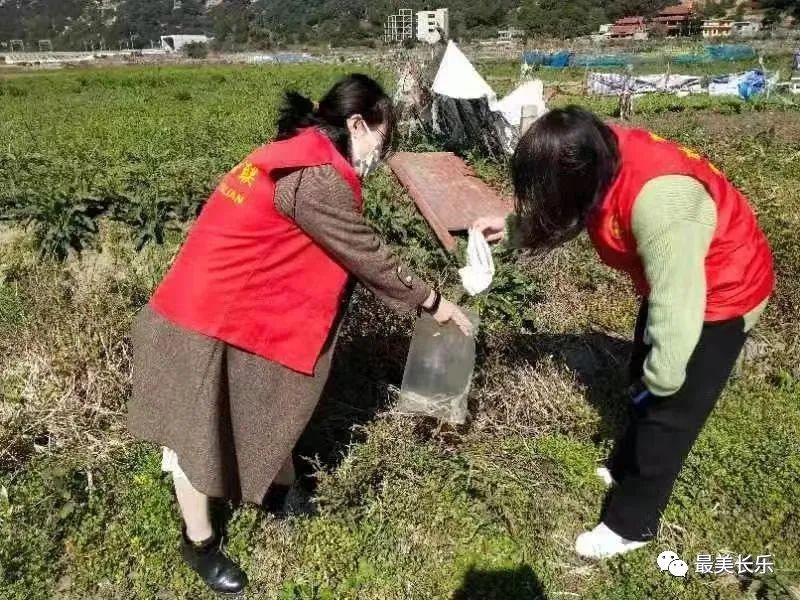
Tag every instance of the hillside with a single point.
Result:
(76, 24)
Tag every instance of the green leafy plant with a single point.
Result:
(149, 220)
(62, 225)
(196, 50)
(511, 300)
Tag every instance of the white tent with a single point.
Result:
(527, 98)
(458, 80)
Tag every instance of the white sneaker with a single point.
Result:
(604, 474)
(601, 542)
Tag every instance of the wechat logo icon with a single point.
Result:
(671, 562)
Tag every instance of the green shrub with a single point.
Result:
(197, 50)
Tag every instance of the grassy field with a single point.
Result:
(119, 161)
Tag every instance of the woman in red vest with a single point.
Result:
(233, 350)
(696, 255)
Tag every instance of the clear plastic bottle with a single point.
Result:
(438, 373)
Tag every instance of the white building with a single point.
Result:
(175, 43)
(429, 22)
(399, 27)
(717, 28)
(746, 28)
(728, 27)
(511, 33)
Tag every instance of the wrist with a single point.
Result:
(638, 391)
(431, 305)
(428, 299)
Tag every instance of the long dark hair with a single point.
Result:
(562, 169)
(352, 95)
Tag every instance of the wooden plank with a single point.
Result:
(447, 192)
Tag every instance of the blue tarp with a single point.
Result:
(730, 52)
(563, 58)
(555, 60)
(534, 59)
(602, 60)
(745, 85)
(752, 84)
(689, 59)
(560, 60)
(717, 53)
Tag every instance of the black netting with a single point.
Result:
(468, 124)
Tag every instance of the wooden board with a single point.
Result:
(447, 192)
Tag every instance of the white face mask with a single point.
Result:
(366, 162)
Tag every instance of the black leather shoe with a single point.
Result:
(219, 572)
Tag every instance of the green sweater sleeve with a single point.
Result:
(673, 222)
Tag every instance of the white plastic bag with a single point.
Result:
(438, 373)
(477, 276)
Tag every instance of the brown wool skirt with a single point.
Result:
(231, 417)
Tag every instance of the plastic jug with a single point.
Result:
(438, 373)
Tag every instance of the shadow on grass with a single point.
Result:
(520, 583)
(369, 357)
(599, 361)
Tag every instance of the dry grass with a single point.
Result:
(530, 399)
(65, 359)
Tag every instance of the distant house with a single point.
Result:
(628, 28)
(674, 20)
(713, 28)
(727, 27)
(603, 33)
(746, 28)
(510, 33)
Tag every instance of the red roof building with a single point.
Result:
(674, 20)
(628, 27)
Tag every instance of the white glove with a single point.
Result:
(477, 275)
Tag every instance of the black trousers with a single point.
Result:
(648, 457)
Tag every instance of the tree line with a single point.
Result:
(80, 24)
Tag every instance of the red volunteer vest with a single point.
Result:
(249, 276)
(739, 270)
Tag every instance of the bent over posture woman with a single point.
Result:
(233, 350)
(703, 268)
